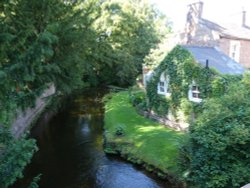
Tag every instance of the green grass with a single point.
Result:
(144, 139)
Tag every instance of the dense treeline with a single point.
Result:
(71, 44)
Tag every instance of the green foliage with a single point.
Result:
(126, 33)
(42, 42)
(137, 97)
(70, 44)
(14, 156)
(119, 130)
(53, 41)
(34, 183)
(157, 55)
(218, 153)
(182, 69)
(163, 106)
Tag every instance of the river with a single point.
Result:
(71, 150)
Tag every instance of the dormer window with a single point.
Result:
(194, 93)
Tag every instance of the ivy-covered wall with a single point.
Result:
(182, 69)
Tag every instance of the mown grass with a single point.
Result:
(144, 139)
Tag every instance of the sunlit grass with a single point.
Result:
(148, 140)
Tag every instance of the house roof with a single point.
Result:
(228, 30)
(217, 59)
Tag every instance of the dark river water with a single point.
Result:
(71, 151)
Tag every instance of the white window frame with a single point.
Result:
(194, 90)
(162, 86)
(235, 50)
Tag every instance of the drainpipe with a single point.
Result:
(207, 77)
(207, 64)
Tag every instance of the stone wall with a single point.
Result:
(24, 119)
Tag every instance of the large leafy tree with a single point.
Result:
(219, 152)
(127, 30)
(42, 42)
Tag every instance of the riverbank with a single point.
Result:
(72, 142)
(138, 139)
(24, 119)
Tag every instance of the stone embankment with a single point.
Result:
(25, 118)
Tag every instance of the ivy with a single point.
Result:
(182, 69)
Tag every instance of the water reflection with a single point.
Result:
(71, 153)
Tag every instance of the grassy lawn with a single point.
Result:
(143, 139)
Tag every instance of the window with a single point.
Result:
(162, 87)
(235, 50)
(194, 93)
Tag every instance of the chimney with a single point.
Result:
(200, 9)
(243, 18)
(195, 9)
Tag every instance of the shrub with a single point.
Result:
(137, 98)
(218, 153)
(14, 156)
(119, 131)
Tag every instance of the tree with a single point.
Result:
(42, 42)
(126, 33)
(219, 152)
(14, 156)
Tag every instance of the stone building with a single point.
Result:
(231, 39)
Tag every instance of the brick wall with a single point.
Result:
(201, 32)
(224, 45)
(245, 54)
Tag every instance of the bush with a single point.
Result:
(119, 131)
(14, 156)
(137, 98)
(218, 153)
